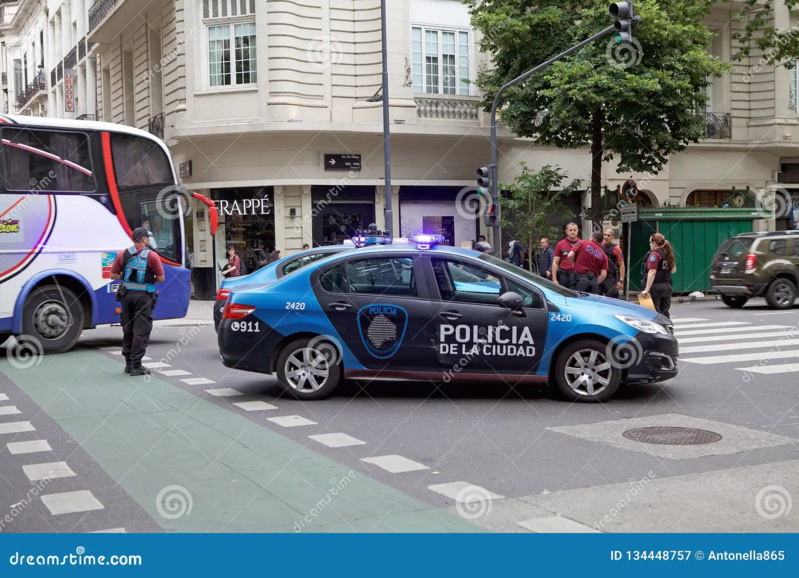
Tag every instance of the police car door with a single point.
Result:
(380, 306)
(476, 335)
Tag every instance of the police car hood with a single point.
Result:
(611, 306)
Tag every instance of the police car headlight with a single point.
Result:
(642, 324)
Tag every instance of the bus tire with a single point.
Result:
(53, 316)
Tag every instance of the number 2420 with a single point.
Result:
(565, 317)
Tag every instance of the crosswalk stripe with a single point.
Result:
(679, 320)
(707, 338)
(742, 357)
(728, 330)
(709, 325)
(771, 369)
(733, 346)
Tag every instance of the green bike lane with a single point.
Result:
(153, 438)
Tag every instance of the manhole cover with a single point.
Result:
(672, 436)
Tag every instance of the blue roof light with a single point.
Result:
(427, 241)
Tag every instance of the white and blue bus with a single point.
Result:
(71, 192)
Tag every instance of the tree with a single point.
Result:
(779, 46)
(532, 199)
(638, 101)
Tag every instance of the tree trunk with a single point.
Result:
(596, 171)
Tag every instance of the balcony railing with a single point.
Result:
(156, 125)
(99, 11)
(448, 107)
(38, 85)
(86, 117)
(718, 126)
(71, 59)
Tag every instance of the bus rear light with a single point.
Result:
(237, 310)
(751, 262)
(222, 294)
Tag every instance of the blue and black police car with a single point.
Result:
(422, 311)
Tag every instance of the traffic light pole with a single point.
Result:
(389, 208)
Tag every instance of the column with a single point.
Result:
(307, 215)
(280, 219)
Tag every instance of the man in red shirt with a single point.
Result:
(562, 268)
(139, 268)
(590, 264)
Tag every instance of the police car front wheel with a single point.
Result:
(309, 368)
(585, 372)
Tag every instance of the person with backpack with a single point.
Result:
(660, 266)
(515, 253)
(612, 284)
(233, 268)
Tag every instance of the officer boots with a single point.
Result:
(136, 369)
(127, 365)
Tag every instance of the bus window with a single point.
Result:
(41, 160)
(139, 163)
(165, 229)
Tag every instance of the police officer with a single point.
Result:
(612, 284)
(660, 266)
(140, 269)
(562, 268)
(590, 264)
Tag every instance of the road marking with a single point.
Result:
(198, 381)
(223, 392)
(733, 346)
(464, 492)
(174, 372)
(49, 471)
(708, 325)
(28, 447)
(686, 320)
(679, 334)
(743, 357)
(736, 337)
(3, 397)
(9, 410)
(111, 531)
(771, 369)
(16, 427)
(156, 365)
(337, 440)
(110, 348)
(777, 313)
(116, 352)
(291, 421)
(395, 464)
(255, 405)
(556, 525)
(71, 502)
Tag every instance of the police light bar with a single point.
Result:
(427, 241)
(363, 240)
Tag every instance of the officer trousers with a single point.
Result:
(137, 323)
(661, 297)
(586, 282)
(610, 287)
(566, 279)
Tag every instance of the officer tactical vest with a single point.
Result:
(136, 276)
(663, 272)
(613, 265)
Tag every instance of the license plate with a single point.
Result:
(725, 270)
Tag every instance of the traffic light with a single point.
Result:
(623, 13)
(484, 181)
(490, 215)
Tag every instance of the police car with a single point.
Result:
(423, 311)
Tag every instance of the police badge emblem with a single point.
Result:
(382, 328)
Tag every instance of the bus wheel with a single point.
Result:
(53, 316)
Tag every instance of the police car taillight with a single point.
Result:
(222, 294)
(237, 310)
(751, 262)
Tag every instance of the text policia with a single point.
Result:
(502, 340)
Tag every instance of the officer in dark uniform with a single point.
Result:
(660, 266)
(139, 268)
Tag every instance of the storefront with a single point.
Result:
(452, 212)
(339, 212)
(247, 222)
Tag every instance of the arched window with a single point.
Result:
(707, 199)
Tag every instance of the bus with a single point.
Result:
(71, 193)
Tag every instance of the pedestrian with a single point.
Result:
(482, 247)
(273, 256)
(660, 266)
(613, 283)
(305, 247)
(233, 268)
(562, 267)
(545, 259)
(515, 252)
(590, 264)
(139, 268)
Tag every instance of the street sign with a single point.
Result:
(342, 162)
(629, 213)
(69, 91)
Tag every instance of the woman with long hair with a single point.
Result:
(660, 266)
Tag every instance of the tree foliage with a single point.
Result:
(779, 45)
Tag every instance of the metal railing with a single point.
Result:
(99, 11)
(86, 116)
(718, 126)
(71, 59)
(156, 125)
(448, 107)
(38, 85)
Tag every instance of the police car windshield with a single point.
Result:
(524, 274)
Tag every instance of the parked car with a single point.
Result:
(758, 265)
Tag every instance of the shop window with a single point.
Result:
(441, 61)
(231, 42)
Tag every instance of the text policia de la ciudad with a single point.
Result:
(502, 340)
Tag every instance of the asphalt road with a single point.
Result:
(472, 457)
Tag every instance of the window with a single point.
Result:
(795, 247)
(466, 283)
(301, 262)
(231, 42)
(139, 163)
(35, 160)
(335, 280)
(165, 230)
(778, 247)
(440, 61)
(19, 84)
(383, 276)
(531, 298)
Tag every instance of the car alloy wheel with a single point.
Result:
(781, 294)
(588, 372)
(307, 369)
(585, 371)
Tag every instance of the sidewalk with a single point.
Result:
(199, 313)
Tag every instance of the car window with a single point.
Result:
(531, 298)
(735, 247)
(778, 247)
(795, 243)
(335, 280)
(465, 283)
(301, 262)
(514, 271)
(383, 276)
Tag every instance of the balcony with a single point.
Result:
(109, 18)
(85, 116)
(448, 108)
(32, 92)
(718, 126)
(99, 11)
(156, 125)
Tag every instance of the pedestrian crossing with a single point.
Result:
(775, 348)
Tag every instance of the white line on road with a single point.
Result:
(291, 421)
(706, 338)
(337, 440)
(198, 381)
(728, 330)
(9, 410)
(16, 427)
(36, 472)
(71, 502)
(223, 392)
(3, 397)
(156, 365)
(395, 464)
(173, 372)
(771, 369)
(744, 346)
(709, 325)
(29, 447)
(743, 357)
(255, 405)
(464, 492)
(110, 531)
(679, 320)
(556, 525)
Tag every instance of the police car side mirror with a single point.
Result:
(511, 300)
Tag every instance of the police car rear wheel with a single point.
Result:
(585, 373)
(309, 369)
(53, 317)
